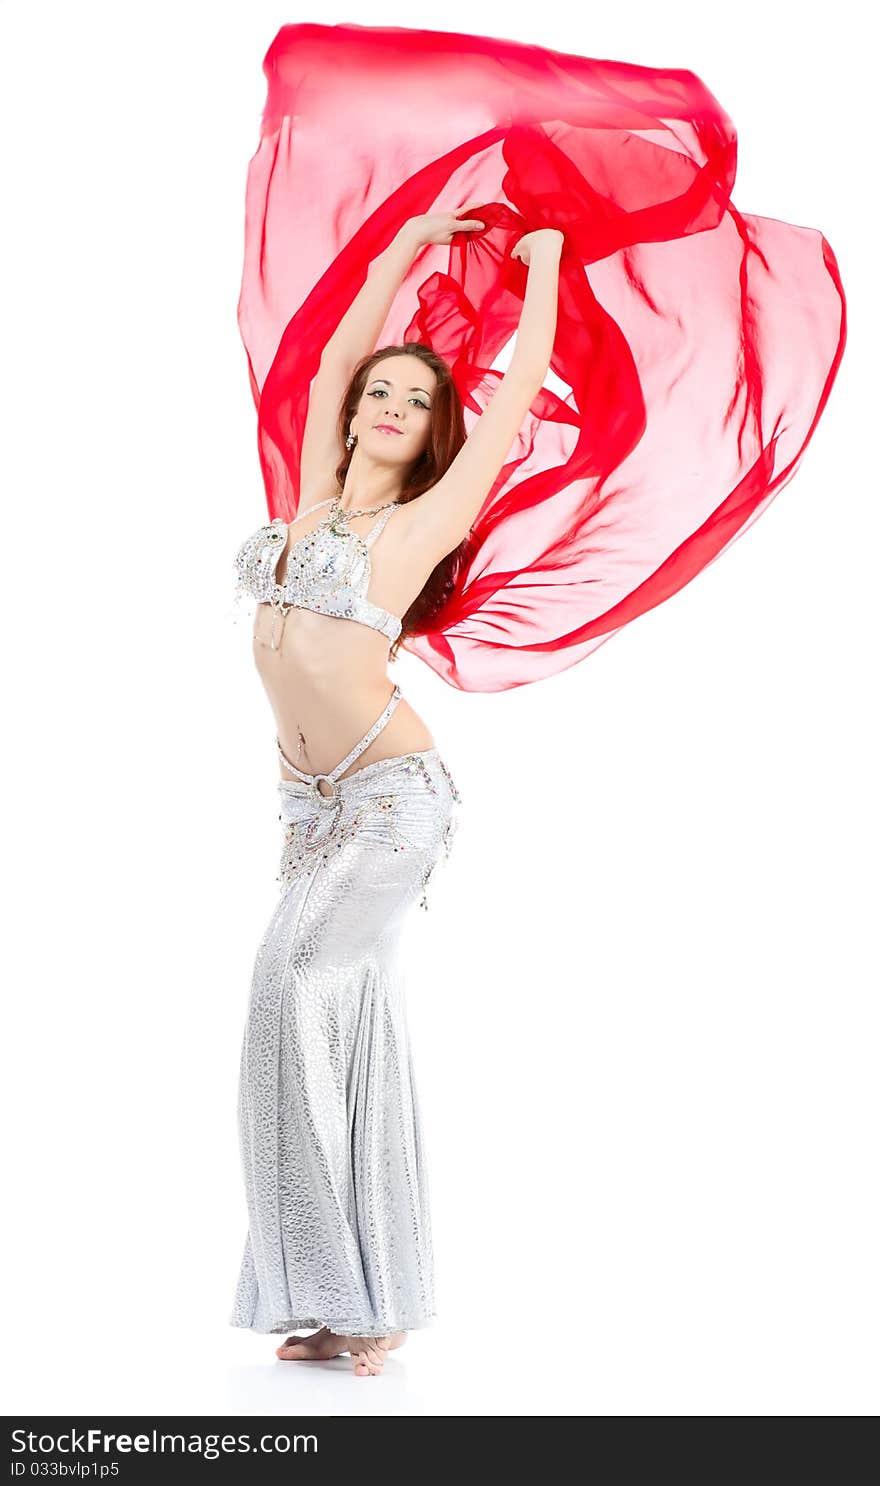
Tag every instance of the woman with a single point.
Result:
(339, 1226)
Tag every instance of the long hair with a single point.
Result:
(446, 437)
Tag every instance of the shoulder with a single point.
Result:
(423, 527)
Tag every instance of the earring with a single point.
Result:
(351, 440)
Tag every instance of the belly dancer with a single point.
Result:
(339, 1234)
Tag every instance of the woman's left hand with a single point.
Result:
(537, 239)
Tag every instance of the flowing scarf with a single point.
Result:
(695, 347)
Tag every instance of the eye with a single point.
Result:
(380, 392)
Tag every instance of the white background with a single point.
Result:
(643, 1003)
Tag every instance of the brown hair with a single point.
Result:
(446, 437)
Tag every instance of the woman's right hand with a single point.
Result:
(439, 227)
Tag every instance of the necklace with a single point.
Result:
(339, 514)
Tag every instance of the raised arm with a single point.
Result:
(355, 337)
(441, 517)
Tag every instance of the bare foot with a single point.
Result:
(315, 1348)
(367, 1352)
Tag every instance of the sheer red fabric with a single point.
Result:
(696, 346)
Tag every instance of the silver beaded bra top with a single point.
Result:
(328, 570)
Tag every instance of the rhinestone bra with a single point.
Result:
(328, 570)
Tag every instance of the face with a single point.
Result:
(399, 392)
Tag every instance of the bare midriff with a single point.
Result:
(327, 683)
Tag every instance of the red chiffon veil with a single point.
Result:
(695, 349)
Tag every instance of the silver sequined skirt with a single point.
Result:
(331, 1143)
